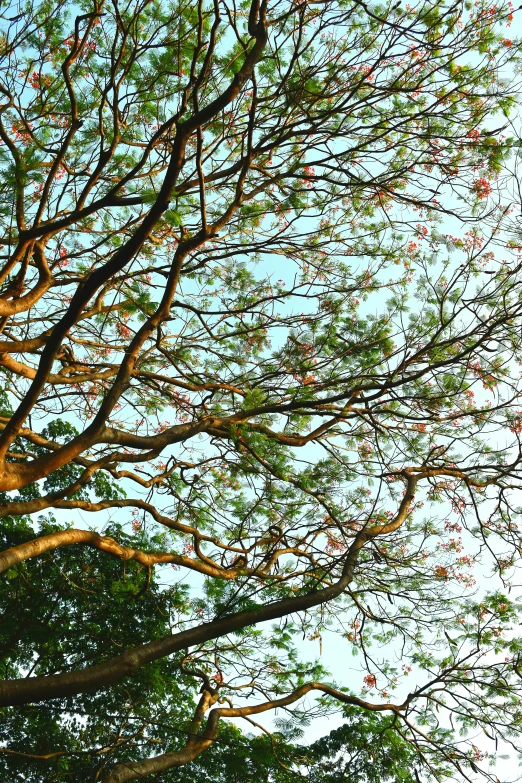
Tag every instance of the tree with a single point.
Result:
(153, 709)
(261, 289)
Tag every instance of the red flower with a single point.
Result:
(482, 187)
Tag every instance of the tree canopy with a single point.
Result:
(260, 354)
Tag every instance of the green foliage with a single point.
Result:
(61, 607)
(365, 750)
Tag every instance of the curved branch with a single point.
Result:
(158, 764)
(100, 675)
(24, 303)
(37, 546)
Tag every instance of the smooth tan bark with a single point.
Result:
(38, 546)
(158, 764)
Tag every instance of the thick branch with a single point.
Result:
(95, 677)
